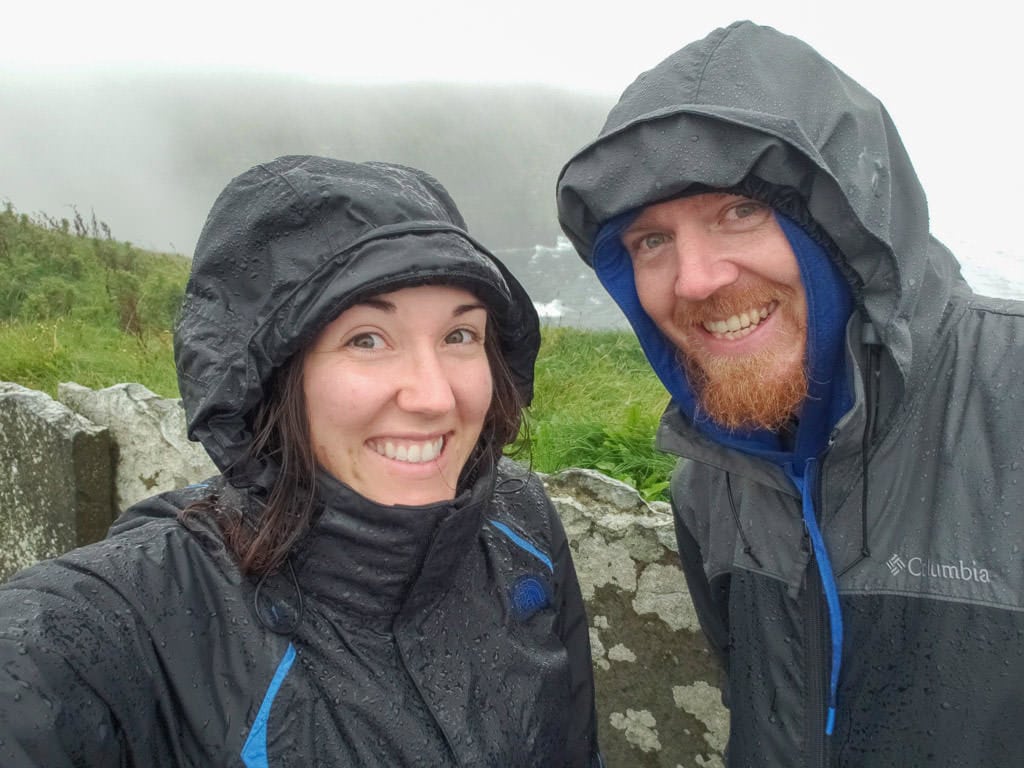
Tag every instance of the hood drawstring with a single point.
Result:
(284, 618)
(869, 336)
(747, 549)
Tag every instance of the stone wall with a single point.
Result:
(658, 700)
(68, 468)
(55, 478)
(153, 452)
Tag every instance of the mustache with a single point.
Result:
(731, 301)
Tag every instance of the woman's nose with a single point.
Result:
(426, 386)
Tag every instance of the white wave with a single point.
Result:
(553, 308)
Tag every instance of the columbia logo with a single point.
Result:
(920, 567)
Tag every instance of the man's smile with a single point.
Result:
(738, 326)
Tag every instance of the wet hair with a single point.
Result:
(261, 543)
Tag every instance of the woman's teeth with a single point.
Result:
(414, 453)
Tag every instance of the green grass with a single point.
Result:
(40, 355)
(76, 305)
(57, 270)
(596, 405)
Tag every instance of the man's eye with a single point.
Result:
(461, 336)
(645, 243)
(747, 213)
(366, 341)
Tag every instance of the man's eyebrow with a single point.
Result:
(640, 222)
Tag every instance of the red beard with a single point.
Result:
(764, 389)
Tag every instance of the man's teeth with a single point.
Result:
(738, 326)
(414, 453)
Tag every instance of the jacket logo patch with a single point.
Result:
(920, 567)
(528, 595)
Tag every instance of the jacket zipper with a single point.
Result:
(818, 657)
(819, 650)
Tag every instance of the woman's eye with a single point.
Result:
(366, 341)
(461, 336)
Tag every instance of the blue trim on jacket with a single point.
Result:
(524, 544)
(254, 753)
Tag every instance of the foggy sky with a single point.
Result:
(947, 75)
(148, 153)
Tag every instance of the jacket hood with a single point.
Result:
(748, 105)
(748, 101)
(290, 244)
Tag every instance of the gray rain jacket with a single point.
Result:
(916, 491)
(447, 635)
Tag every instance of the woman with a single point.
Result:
(368, 582)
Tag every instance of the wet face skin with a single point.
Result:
(397, 389)
(718, 277)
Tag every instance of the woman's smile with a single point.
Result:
(409, 451)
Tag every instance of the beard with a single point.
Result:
(764, 389)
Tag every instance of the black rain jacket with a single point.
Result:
(452, 634)
(917, 491)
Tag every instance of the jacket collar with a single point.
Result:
(370, 558)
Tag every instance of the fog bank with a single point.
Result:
(148, 153)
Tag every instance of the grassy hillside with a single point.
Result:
(77, 305)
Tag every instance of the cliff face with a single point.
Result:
(70, 467)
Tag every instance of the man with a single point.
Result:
(848, 509)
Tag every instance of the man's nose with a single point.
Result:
(701, 268)
(426, 386)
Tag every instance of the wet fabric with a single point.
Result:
(451, 634)
(287, 246)
(914, 490)
(396, 637)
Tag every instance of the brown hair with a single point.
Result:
(281, 435)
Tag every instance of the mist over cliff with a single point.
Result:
(148, 152)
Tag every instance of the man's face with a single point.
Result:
(717, 275)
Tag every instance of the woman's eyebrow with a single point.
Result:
(381, 304)
(464, 308)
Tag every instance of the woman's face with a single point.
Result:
(397, 388)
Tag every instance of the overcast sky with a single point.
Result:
(950, 78)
